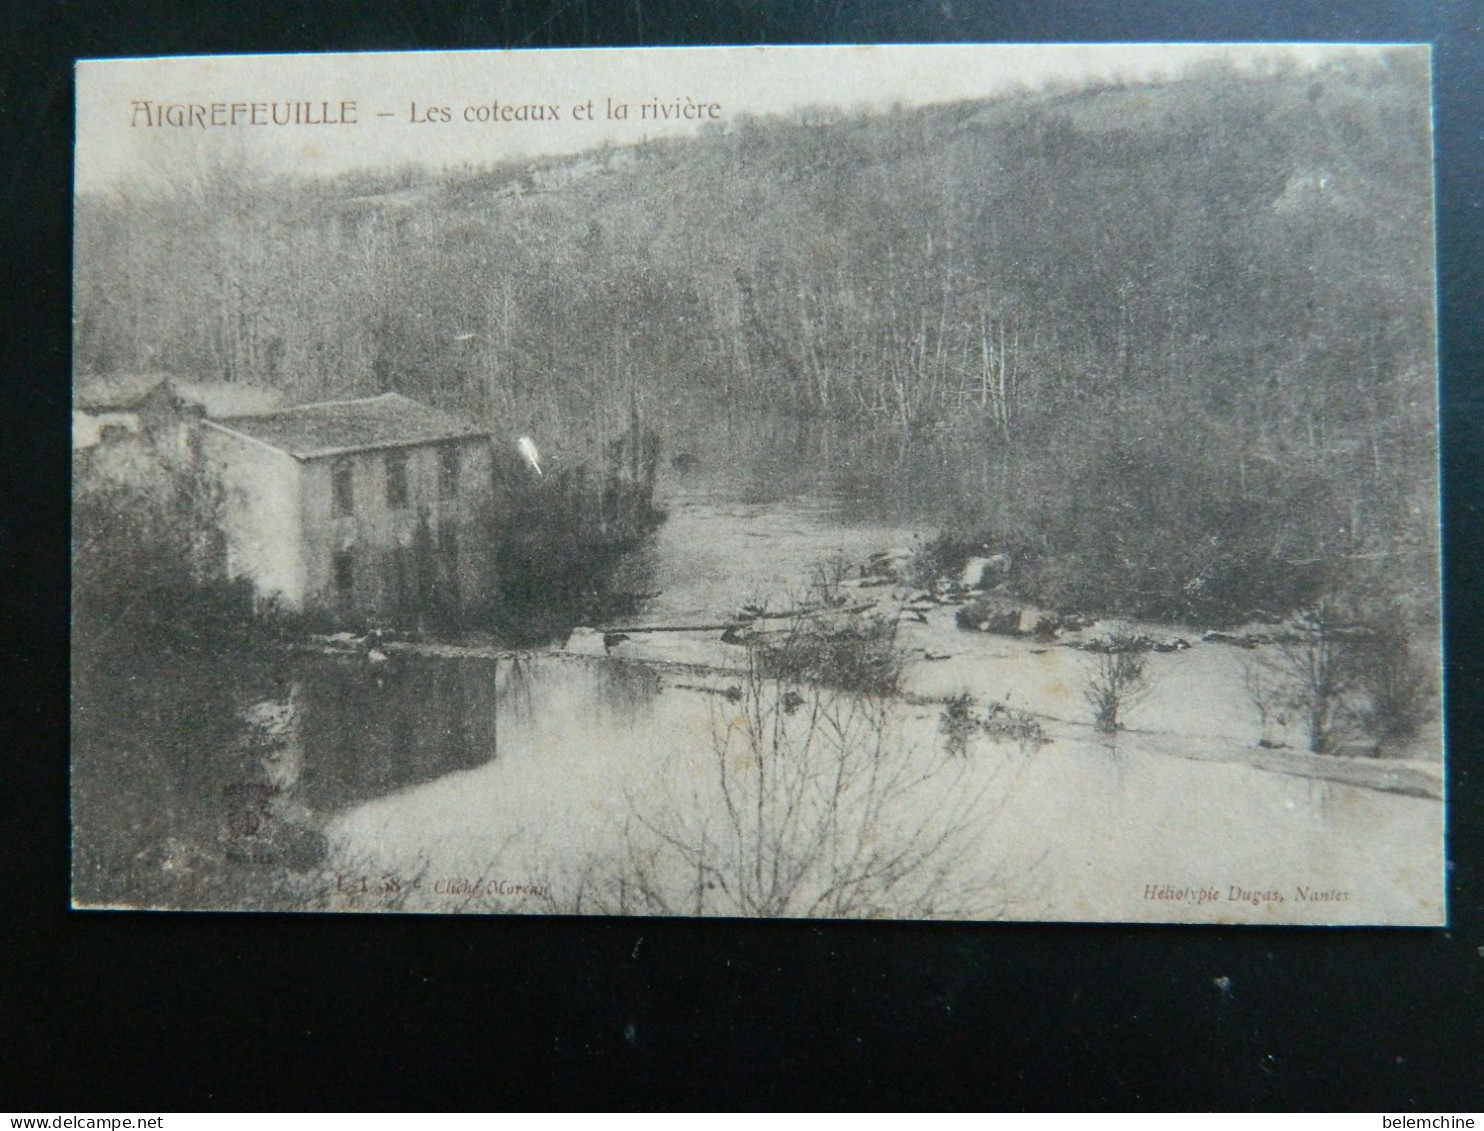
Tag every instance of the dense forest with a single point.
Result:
(1170, 344)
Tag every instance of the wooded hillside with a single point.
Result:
(1171, 345)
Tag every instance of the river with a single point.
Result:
(554, 781)
(658, 774)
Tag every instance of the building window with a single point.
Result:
(396, 481)
(448, 562)
(345, 573)
(343, 487)
(448, 473)
(404, 578)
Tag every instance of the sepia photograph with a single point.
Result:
(908, 482)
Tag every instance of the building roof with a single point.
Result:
(313, 431)
(127, 391)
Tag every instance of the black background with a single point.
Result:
(175, 1012)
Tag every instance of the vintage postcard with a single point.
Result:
(961, 482)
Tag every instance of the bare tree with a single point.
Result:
(1313, 676)
(807, 804)
(1263, 689)
(1355, 674)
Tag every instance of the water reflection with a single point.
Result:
(373, 729)
(362, 731)
(530, 766)
(1076, 829)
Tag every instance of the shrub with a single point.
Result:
(960, 722)
(1118, 680)
(945, 556)
(852, 653)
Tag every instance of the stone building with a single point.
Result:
(158, 410)
(371, 510)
